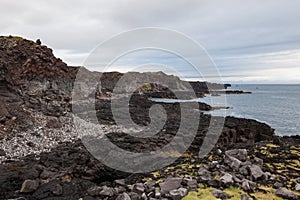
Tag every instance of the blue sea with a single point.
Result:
(276, 105)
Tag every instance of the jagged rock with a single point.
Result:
(157, 194)
(190, 182)
(219, 194)
(123, 196)
(29, 186)
(170, 184)
(285, 193)
(149, 186)
(94, 191)
(240, 154)
(138, 188)
(107, 192)
(248, 185)
(227, 179)
(120, 182)
(232, 162)
(256, 172)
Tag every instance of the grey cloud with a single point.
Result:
(225, 28)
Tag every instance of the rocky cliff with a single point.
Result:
(41, 155)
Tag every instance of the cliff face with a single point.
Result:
(32, 79)
(31, 74)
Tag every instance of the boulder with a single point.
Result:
(256, 172)
(297, 187)
(227, 179)
(107, 192)
(232, 162)
(248, 185)
(286, 194)
(240, 154)
(170, 184)
(29, 186)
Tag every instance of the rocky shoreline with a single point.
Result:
(42, 156)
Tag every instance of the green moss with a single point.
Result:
(14, 168)
(201, 194)
(16, 38)
(234, 193)
(272, 146)
(147, 86)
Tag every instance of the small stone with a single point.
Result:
(157, 194)
(227, 179)
(219, 194)
(149, 186)
(144, 196)
(120, 182)
(244, 197)
(298, 180)
(123, 196)
(138, 188)
(29, 186)
(38, 41)
(277, 185)
(170, 184)
(94, 191)
(297, 187)
(287, 194)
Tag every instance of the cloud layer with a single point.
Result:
(250, 41)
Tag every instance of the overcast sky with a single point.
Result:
(250, 41)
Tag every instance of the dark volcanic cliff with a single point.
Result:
(37, 128)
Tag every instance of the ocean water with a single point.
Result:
(276, 105)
